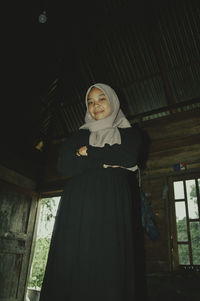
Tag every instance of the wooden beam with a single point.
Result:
(167, 108)
(171, 144)
(14, 177)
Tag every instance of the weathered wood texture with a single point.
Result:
(173, 139)
(18, 208)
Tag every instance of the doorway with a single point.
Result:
(44, 229)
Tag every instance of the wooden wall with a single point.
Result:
(173, 139)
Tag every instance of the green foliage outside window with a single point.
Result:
(194, 229)
(39, 262)
(43, 240)
(195, 237)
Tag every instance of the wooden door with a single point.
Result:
(18, 208)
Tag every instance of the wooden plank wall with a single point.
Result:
(173, 139)
(18, 208)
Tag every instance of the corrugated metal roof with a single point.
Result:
(151, 67)
(180, 48)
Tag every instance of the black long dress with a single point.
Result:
(92, 253)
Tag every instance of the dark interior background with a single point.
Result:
(148, 51)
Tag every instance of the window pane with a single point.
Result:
(195, 240)
(183, 253)
(178, 190)
(192, 199)
(181, 221)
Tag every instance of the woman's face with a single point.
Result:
(98, 104)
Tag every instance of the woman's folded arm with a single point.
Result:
(125, 154)
(69, 163)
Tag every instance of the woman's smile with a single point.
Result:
(98, 112)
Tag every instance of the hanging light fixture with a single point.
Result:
(43, 17)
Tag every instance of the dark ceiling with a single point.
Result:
(149, 51)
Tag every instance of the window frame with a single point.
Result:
(173, 226)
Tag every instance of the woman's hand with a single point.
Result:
(82, 151)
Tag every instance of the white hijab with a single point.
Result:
(105, 131)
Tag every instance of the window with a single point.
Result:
(186, 196)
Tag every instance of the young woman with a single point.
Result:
(92, 253)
